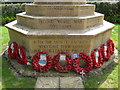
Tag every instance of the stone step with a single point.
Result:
(56, 23)
(60, 1)
(59, 82)
(71, 82)
(47, 82)
(60, 10)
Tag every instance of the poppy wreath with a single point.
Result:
(21, 56)
(87, 59)
(12, 50)
(58, 67)
(105, 50)
(95, 57)
(111, 46)
(37, 66)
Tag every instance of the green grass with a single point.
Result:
(9, 80)
(12, 81)
(109, 79)
(4, 38)
(114, 36)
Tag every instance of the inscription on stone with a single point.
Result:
(55, 46)
(60, 21)
(60, 8)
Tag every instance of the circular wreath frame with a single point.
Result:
(13, 55)
(87, 59)
(110, 44)
(24, 59)
(37, 66)
(58, 67)
(100, 59)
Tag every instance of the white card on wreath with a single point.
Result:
(12, 46)
(74, 55)
(97, 56)
(42, 60)
(62, 57)
(43, 57)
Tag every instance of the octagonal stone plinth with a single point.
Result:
(54, 41)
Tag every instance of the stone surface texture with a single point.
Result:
(59, 82)
(55, 26)
(47, 82)
(71, 82)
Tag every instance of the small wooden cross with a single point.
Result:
(82, 73)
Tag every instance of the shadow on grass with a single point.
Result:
(98, 80)
(10, 80)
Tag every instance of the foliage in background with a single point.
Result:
(111, 11)
(9, 12)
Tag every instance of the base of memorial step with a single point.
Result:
(59, 82)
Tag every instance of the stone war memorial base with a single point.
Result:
(50, 32)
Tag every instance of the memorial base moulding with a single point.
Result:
(58, 41)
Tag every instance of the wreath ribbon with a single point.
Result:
(105, 50)
(97, 58)
(21, 56)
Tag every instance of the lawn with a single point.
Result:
(9, 80)
(12, 81)
(109, 78)
(4, 38)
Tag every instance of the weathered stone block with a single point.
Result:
(47, 82)
(60, 10)
(57, 23)
(71, 82)
(60, 1)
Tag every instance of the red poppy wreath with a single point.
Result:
(37, 58)
(58, 67)
(110, 44)
(89, 64)
(96, 56)
(21, 56)
(12, 50)
(105, 50)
